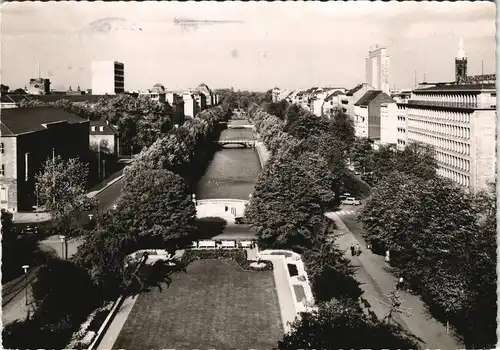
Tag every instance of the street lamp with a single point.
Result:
(26, 267)
(36, 193)
(63, 240)
(103, 169)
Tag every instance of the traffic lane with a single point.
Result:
(110, 195)
(351, 220)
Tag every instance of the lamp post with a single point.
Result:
(36, 193)
(26, 267)
(103, 170)
(63, 240)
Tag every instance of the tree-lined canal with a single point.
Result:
(233, 170)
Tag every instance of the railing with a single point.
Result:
(220, 201)
(236, 142)
(443, 103)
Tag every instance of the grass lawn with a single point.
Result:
(214, 305)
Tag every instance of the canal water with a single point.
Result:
(233, 170)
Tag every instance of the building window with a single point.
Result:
(2, 170)
(101, 128)
(2, 148)
(93, 128)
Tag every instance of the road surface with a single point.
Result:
(13, 292)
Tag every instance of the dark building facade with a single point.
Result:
(29, 136)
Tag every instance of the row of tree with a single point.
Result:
(296, 186)
(443, 241)
(376, 163)
(156, 208)
(155, 211)
(140, 121)
(441, 237)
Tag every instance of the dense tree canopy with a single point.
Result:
(342, 325)
(139, 120)
(416, 158)
(157, 204)
(433, 230)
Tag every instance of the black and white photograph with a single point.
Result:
(248, 175)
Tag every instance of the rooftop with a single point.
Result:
(368, 97)
(17, 121)
(457, 87)
(107, 129)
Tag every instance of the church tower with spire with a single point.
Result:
(461, 63)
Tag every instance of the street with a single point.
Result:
(377, 282)
(13, 292)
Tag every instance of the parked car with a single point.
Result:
(30, 229)
(351, 201)
(238, 220)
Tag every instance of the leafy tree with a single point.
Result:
(288, 203)
(433, 230)
(331, 273)
(156, 205)
(342, 325)
(417, 159)
(480, 317)
(61, 186)
(103, 254)
(362, 155)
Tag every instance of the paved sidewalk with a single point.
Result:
(378, 283)
(283, 289)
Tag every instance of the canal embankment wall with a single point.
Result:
(262, 150)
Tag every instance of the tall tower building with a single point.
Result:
(461, 63)
(378, 69)
(108, 78)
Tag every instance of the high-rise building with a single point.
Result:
(108, 78)
(459, 120)
(378, 69)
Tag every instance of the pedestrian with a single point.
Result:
(358, 250)
(352, 250)
(400, 282)
(368, 246)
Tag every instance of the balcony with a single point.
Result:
(467, 105)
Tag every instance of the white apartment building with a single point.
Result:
(460, 122)
(378, 69)
(388, 122)
(108, 78)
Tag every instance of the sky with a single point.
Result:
(254, 46)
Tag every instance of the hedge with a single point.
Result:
(238, 255)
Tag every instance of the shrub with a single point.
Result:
(238, 255)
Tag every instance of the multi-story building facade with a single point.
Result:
(378, 69)
(209, 96)
(353, 95)
(156, 93)
(103, 137)
(39, 86)
(29, 136)
(367, 114)
(459, 120)
(177, 102)
(388, 121)
(333, 101)
(190, 105)
(108, 78)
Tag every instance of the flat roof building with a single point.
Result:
(108, 78)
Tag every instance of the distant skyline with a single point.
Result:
(252, 45)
